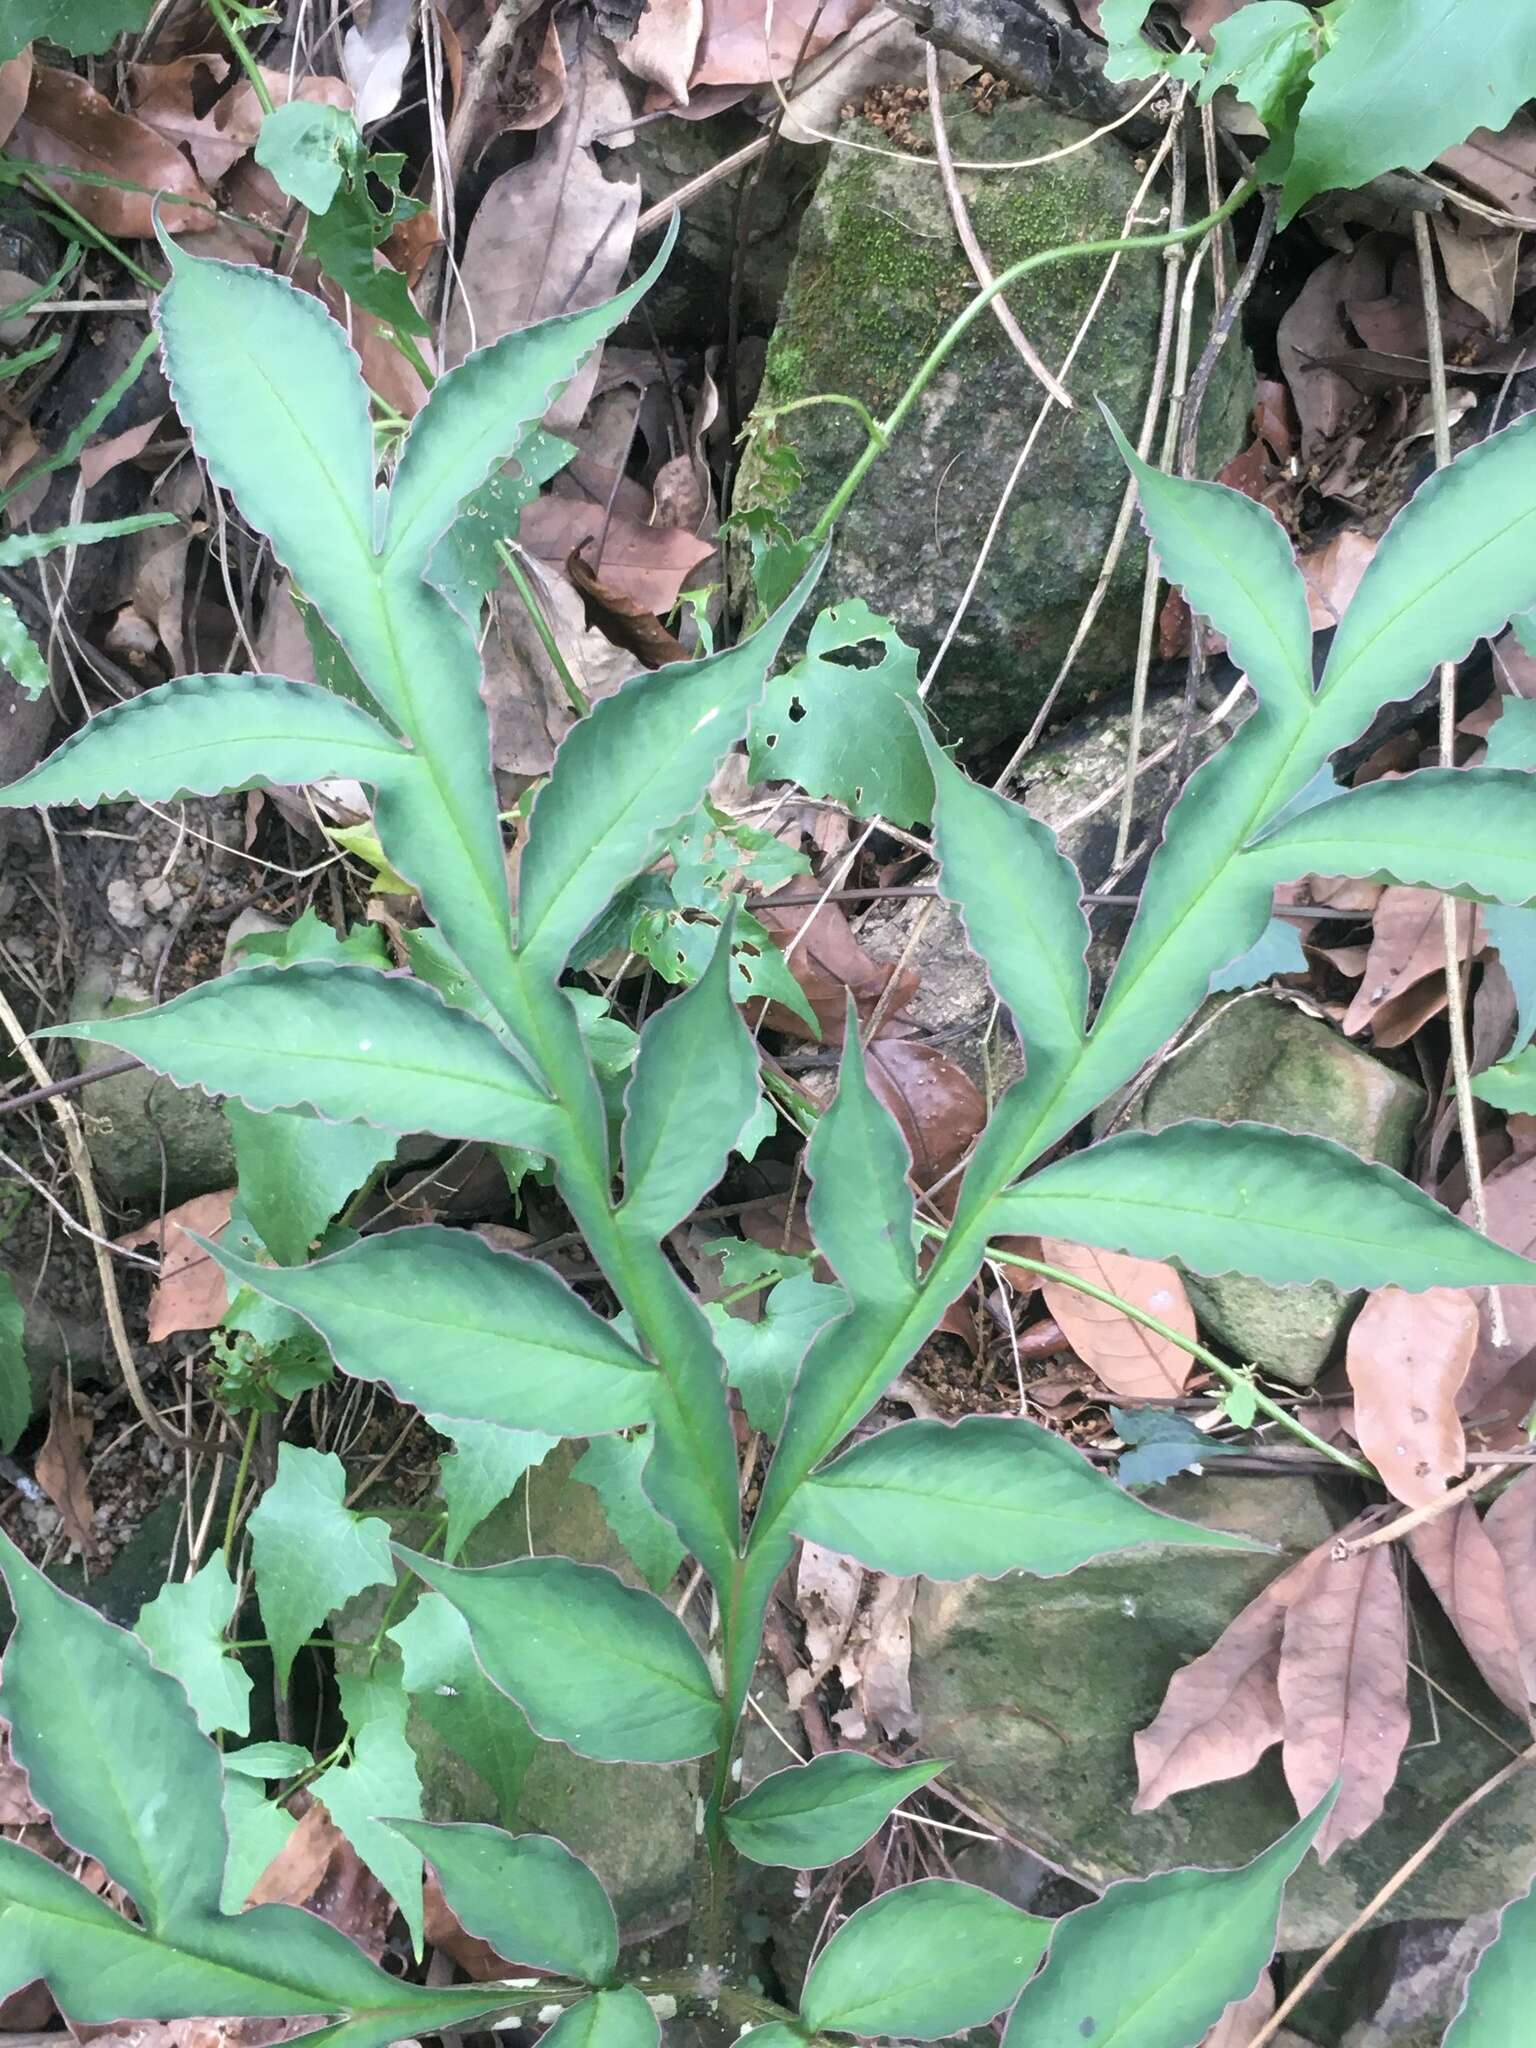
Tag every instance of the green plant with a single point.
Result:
(484, 1043)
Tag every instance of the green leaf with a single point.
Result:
(626, 773)
(1153, 1963)
(1019, 899)
(607, 1670)
(17, 548)
(614, 1466)
(1511, 1084)
(258, 1829)
(1461, 829)
(85, 27)
(297, 1172)
(619, 2018)
(184, 1628)
(19, 656)
(1401, 81)
(922, 1961)
(1248, 1198)
(763, 1358)
(1456, 562)
(1512, 741)
(693, 1092)
(843, 728)
(379, 1777)
(476, 414)
(104, 1738)
(977, 1498)
(527, 1895)
(15, 1381)
(861, 1208)
(820, 1812)
(347, 239)
(345, 1041)
(1493, 2010)
(303, 145)
(1277, 950)
(267, 1760)
(200, 735)
(1265, 53)
(465, 566)
(311, 1553)
(464, 1332)
(480, 1472)
(450, 1692)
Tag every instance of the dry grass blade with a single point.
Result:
(1132, 1361)
(1407, 1357)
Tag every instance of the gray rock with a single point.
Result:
(1035, 1687)
(1428, 1965)
(138, 1125)
(878, 276)
(1263, 1061)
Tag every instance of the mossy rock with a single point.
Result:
(878, 276)
(1035, 1687)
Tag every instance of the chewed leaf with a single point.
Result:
(1248, 1198)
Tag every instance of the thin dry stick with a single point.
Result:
(80, 1167)
(1389, 1890)
(1455, 989)
(975, 254)
(1417, 1517)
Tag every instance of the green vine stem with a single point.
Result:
(243, 57)
(551, 646)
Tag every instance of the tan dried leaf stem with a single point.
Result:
(1455, 992)
(80, 1166)
(975, 254)
(1417, 1517)
(1389, 1891)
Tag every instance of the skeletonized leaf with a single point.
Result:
(1131, 1360)
(607, 1670)
(200, 735)
(1155, 1962)
(626, 773)
(1457, 1556)
(1249, 1198)
(312, 1554)
(1497, 2003)
(1344, 1690)
(1407, 1355)
(820, 1812)
(1018, 896)
(1510, 1526)
(184, 1628)
(861, 1209)
(923, 1961)
(987, 1495)
(463, 1331)
(1466, 830)
(527, 1895)
(693, 1092)
(346, 1041)
(1221, 1711)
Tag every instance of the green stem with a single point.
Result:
(547, 640)
(877, 434)
(1229, 1374)
(243, 56)
(242, 1473)
(89, 231)
(934, 361)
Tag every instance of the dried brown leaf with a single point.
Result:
(827, 1587)
(740, 44)
(18, 1809)
(1131, 1360)
(318, 1868)
(1407, 1356)
(875, 1664)
(937, 1104)
(647, 565)
(61, 1471)
(1344, 1690)
(1242, 2020)
(444, 1930)
(1498, 164)
(1221, 1712)
(1457, 1556)
(1312, 326)
(1510, 1526)
(374, 57)
(664, 45)
(15, 84)
(829, 964)
(1480, 267)
(70, 124)
(192, 1292)
(1332, 574)
(1407, 952)
(166, 97)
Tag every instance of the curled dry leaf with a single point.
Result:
(1457, 1556)
(374, 58)
(69, 124)
(647, 565)
(60, 1468)
(1407, 1356)
(1344, 1690)
(192, 1292)
(829, 964)
(618, 618)
(827, 1587)
(1131, 1360)
(875, 1666)
(742, 44)
(1404, 981)
(937, 1104)
(166, 97)
(665, 44)
(1332, 575)
(1221, 1712)
(318, 1868)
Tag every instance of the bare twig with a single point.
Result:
(1417, 1517)
(69, 1084)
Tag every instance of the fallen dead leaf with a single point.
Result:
(1404, 980)
(1131, 1360)
(18, 1809)
(1241, 2021)
(100, 458)
(1407, 1356)
(1312, 326)
(1344, 1690)
(1500, 165)
(1480, 267)
(875, 1664)
(618, 618)
(1510, 1526)
(60, 1469)
(1332, 574)
(829, 964)
(192, 1292)
(69, 124)
(318, 1868)
(165, 97)
(1465, 1572)
(648, 565)
(739, 45)
(374, 57)
(664, 45)
(15, 84)
(444, 1929)
(827, 1587)
(938, 1106)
